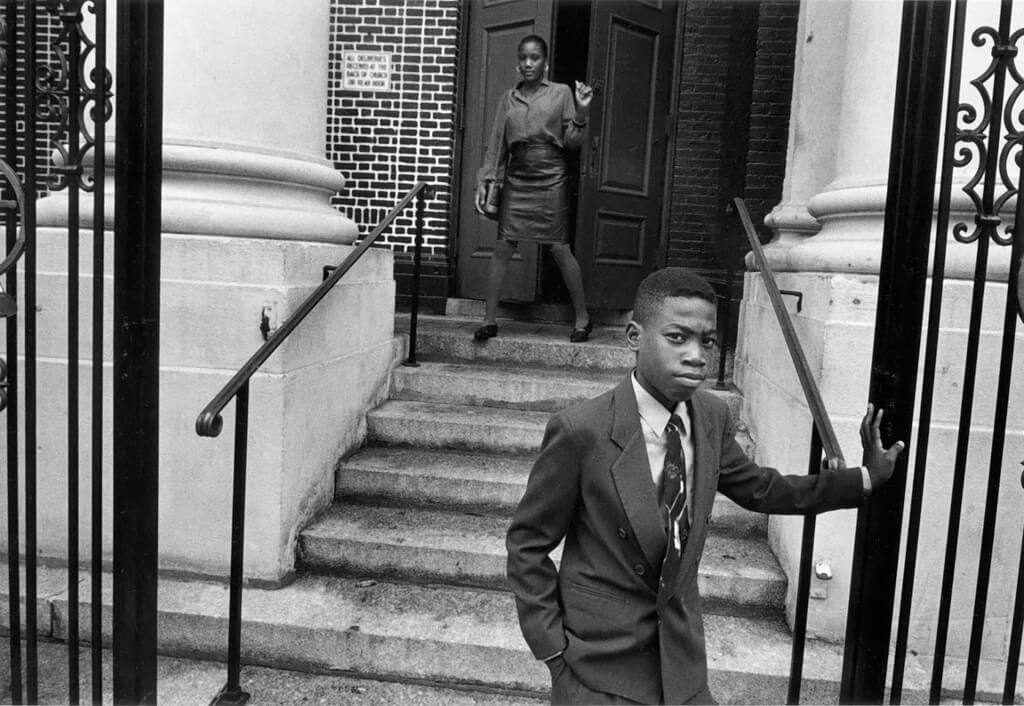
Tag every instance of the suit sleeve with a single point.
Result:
(764, 489)
(540, 522)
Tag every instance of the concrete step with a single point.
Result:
(432, 546)
(551, 313)
(517, 387)
(454, 637)
(456, 426)
(445, 636)
(473, 482)
(519, 343)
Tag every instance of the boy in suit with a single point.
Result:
(628, 480)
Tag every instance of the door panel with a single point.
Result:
(495, 28)
(623, 173)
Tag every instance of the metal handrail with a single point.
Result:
(823, 438)
(829, 441)
(210, 423)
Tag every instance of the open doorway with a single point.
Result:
(570, 46)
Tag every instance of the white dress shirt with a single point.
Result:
(653, 420)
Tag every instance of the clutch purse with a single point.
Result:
(492, 199)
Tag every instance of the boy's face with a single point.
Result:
(673, 347)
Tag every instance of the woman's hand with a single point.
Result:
(584, 94)
(480, 197)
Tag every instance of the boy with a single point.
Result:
(628, 480)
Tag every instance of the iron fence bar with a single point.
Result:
(1016, 630)
(987, 221)
(930, 356)
(71, 18)
(995, 461)
(13, 491)
(137, 211)
(29, 224)
(232, 692)
(417, 258)
(902, 278)
(209, 422)
(98, 268)
(803, 591)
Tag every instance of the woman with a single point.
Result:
(535, 123)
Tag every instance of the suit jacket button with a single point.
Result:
(639, 569)
(622, 533)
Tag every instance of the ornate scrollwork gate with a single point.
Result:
(973, 147)
(57, 101)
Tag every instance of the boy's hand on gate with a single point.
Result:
(880, 461)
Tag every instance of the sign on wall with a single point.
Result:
(366, 71)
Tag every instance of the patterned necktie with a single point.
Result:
(673, 489)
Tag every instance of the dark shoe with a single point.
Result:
(579, 335)
(486, 331)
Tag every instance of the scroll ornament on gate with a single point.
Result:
(976, 137)
(67, 93)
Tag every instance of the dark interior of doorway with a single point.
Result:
(569, 61)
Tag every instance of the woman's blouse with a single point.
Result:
(544, 116)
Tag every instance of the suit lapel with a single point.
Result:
(631, 473)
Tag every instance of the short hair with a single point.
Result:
(536, 39)
(669, 282)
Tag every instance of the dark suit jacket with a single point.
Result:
(626, 629)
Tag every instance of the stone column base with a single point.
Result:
(307, 403)
(836, 329)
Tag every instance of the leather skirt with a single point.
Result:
(534, 199)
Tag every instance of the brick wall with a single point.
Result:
(385, 141)
(770, 107)
(734, 55)
(694, 212)
(47, 132)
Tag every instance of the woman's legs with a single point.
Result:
(495, 278)
(570, 270)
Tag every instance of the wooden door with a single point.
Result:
(495, 28)
(623, 163)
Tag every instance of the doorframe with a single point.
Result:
(459, 130)
(661, 257)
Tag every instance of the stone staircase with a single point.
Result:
(415, 537)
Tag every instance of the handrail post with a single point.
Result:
(417, 257)
(725, 323)
(232, 692)
(803, 591)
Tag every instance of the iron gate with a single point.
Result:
(980, 149)
(57, 101)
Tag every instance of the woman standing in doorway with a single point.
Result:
(536, 122)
